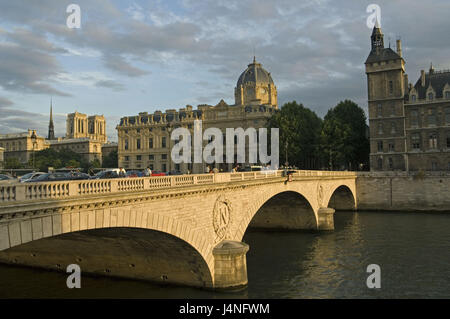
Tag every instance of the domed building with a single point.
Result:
(144, 139)
(255, 86)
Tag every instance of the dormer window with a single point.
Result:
(413, 98)
(447, 95)
(430, 96)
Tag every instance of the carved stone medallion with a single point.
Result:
(221, 217)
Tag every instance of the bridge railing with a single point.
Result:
(12, 192)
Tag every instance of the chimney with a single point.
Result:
(399, 47)
(422, 77)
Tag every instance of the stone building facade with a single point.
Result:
(84, 135)
(409, 124)
(144, 139)
(80, 125)
(21, 146)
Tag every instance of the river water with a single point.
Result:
(412, 250)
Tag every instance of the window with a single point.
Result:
(380, 146)
(380, 163)
(447, 115)
(138, 143)
(127, 158)
(414, 118)
(392, 147)
(431, 117)
(393, 110)
(163, 142)
(163, 156)
(432, 141)
(379, 110)
(391, 87)
(430, 96)
(448, 140)
(393, 128)
(150, 142)
(151, 157)
(126, 144)
(151, 166)
(447, 95)
(434, 166)
(138, 130)
(138, 157)
(380, 128)
(415, 141)
(391, 163)
(413, 98)
(164, 167)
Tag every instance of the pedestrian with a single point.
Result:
(147, 172)
(207, 170)
(121, 172)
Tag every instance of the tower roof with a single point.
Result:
(255, 73)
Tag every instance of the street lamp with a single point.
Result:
(33, 140)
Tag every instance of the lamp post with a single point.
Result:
(33, 140)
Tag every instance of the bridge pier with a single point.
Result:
(325, 219)
(230, 265)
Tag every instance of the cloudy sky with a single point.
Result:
(135, 56)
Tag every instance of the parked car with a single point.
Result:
(157, 173)
(4, 177)
(134, 174)
(51, 177)
(174, 173)
(77, 176)
(106, 174)
(30, 176)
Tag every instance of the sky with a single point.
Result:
(141, 56)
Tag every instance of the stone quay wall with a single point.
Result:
(401, 191)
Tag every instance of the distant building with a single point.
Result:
(21, 146)
(409, 124)
(107, 148)
(144, 139)
(2, 150)
(84, 135)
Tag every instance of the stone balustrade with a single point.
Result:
(15, 192)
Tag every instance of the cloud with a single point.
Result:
(118, 64)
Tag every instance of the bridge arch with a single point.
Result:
(134, 221)
(342, 197)
(286, 209)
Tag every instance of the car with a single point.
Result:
(50, 177)
(105, 175)
(4, 177)
(77, 176)
(31, 175)
(157, 173)
(134, 174)
(174, 173)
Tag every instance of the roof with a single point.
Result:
(437, 79)
(384, 54)
(255, 73)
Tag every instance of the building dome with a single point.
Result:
(255, 87)
(255, 73)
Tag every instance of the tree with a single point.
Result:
(56, 159)
(299, 135)
(344, 138)
(111, 160)
(12, 163)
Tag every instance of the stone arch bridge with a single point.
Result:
(184, 229)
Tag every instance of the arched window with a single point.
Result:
(430, 96)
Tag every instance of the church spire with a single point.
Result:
(51, 129)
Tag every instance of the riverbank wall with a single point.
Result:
(401, 191)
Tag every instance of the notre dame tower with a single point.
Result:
(387, 83)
